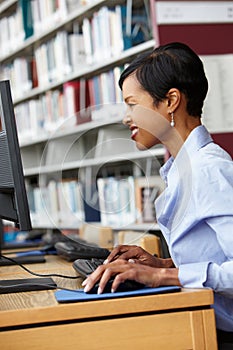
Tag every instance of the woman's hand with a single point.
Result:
(136, 254)
(124, 270)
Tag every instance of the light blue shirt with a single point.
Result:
(195, 215)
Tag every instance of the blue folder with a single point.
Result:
(65, 296)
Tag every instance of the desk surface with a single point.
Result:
(35, 320)
(41, 306)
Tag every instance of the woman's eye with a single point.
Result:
(131, 105)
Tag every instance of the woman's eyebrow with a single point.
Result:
(128, 98)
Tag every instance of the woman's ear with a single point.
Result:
(173, 98)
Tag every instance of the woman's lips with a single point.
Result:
(134, 130)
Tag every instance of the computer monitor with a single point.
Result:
(13, 198)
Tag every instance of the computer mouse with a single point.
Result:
(126, 286)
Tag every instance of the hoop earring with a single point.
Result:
(172, 120)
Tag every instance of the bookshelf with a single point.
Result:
(68, 141)
(63, 144)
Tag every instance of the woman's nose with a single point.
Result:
(127, 120)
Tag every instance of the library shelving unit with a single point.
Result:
(64, 63)
(63, 60)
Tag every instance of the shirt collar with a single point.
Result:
(198, 138)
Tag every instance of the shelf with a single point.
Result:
(5, 5)
(88, 71)
(157, 152)
(71, 131)
(153, 226)
(169, 29)
(83, 140)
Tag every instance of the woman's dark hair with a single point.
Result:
(174, 65)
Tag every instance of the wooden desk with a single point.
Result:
(35, 321)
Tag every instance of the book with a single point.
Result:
(87, 37)
(147, 189)
(116, 37)
(77, 101)
(101, 34)
(218, 104)
(62, 54)
(34, 73)
(90, 200)
(116, 200)
(84, 113)
(53, 201)
(12, 33)
(72, 5)
(27, 18)
(42, 207)
(46, 14)
(76, 50)
(136, 24)
(71, 207)
(105, 94)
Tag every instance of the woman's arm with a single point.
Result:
(138, 255)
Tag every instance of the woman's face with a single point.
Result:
(146, 122)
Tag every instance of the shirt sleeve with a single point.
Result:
(220, 276)
(216, 210)
(214, 274)
(209, 274)
(193, 275)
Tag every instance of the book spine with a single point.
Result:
(27, 18)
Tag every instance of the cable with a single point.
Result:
(45, 285)
(39, 274)
(70, 290)
(28, 284)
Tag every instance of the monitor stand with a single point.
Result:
(26, 284)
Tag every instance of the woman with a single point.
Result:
(164, 91)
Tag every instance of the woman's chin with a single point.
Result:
(141, 147)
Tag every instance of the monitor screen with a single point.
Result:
(13, 197)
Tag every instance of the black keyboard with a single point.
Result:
(73, 250)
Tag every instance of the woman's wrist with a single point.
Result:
(166, 263)
(168, 276)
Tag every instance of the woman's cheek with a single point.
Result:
(145, 140)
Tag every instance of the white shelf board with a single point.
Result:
(139, 227)
(135, 227)
(71, 131)
(158, 152)
(5, 5)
